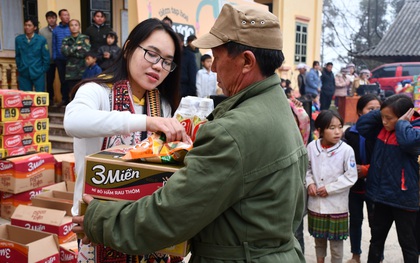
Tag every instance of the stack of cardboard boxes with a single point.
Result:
(23, 122)
(416, 92)
(41, 232)
(37, 209)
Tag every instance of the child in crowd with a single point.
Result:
(393, 178)
(288, 90)
(92, 69)
(206, 82)
(331, 173)
(108, 53)
(363, 149)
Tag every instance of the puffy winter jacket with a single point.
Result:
(393, 177)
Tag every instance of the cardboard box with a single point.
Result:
(23, 173)
(46, 220)
(65, 167)
(180, 250)
(42, 147)
(23, 139)
(66, 186)
(10, 98)
(23, 245)
(35, 98)
(9, 201)
(68, 252)
(19, 99)
(108, 177)
(54, 200)
(14, 114)
(27, 126)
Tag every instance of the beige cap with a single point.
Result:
(245, 25)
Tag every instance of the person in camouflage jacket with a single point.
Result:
(74, 47)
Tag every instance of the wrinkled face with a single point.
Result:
(332, 134)
(110, 40)
(370, 106)
(74, 27)
(144, 74)
(65, 17)
(90, 61)
(52, 20)
(228, 70)
(99, 19)
(389, 119)
(29, 28)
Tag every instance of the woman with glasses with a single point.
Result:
(136, 95)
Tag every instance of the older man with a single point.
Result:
(240, 196)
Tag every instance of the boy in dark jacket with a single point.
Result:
(92, 68)
(108, 53)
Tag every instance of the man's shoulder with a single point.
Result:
(20, 37)
(45, 30)
(40, 37)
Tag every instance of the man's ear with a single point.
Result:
(250, 62)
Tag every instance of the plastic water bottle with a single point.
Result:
(206, 106)
(184, 114)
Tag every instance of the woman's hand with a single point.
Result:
(171, 127)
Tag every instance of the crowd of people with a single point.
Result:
(235, 199)
(320, 85)
(62, 47)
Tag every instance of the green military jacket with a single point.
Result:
(75, 49)
(239, 198)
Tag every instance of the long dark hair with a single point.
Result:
(399, 104)
(170, 87)
(364, 100)
(324, 119)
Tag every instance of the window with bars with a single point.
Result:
(301, 42)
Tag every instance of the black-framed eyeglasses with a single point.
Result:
(153, 57)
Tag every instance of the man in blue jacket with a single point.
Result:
(60, 32)
(32, 57)
(313, 82)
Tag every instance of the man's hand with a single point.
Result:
(79, 220)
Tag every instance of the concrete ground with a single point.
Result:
(392, 248)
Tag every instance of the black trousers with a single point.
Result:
(405, 222)
(325, 100)
(61, 67)
(50, 82)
